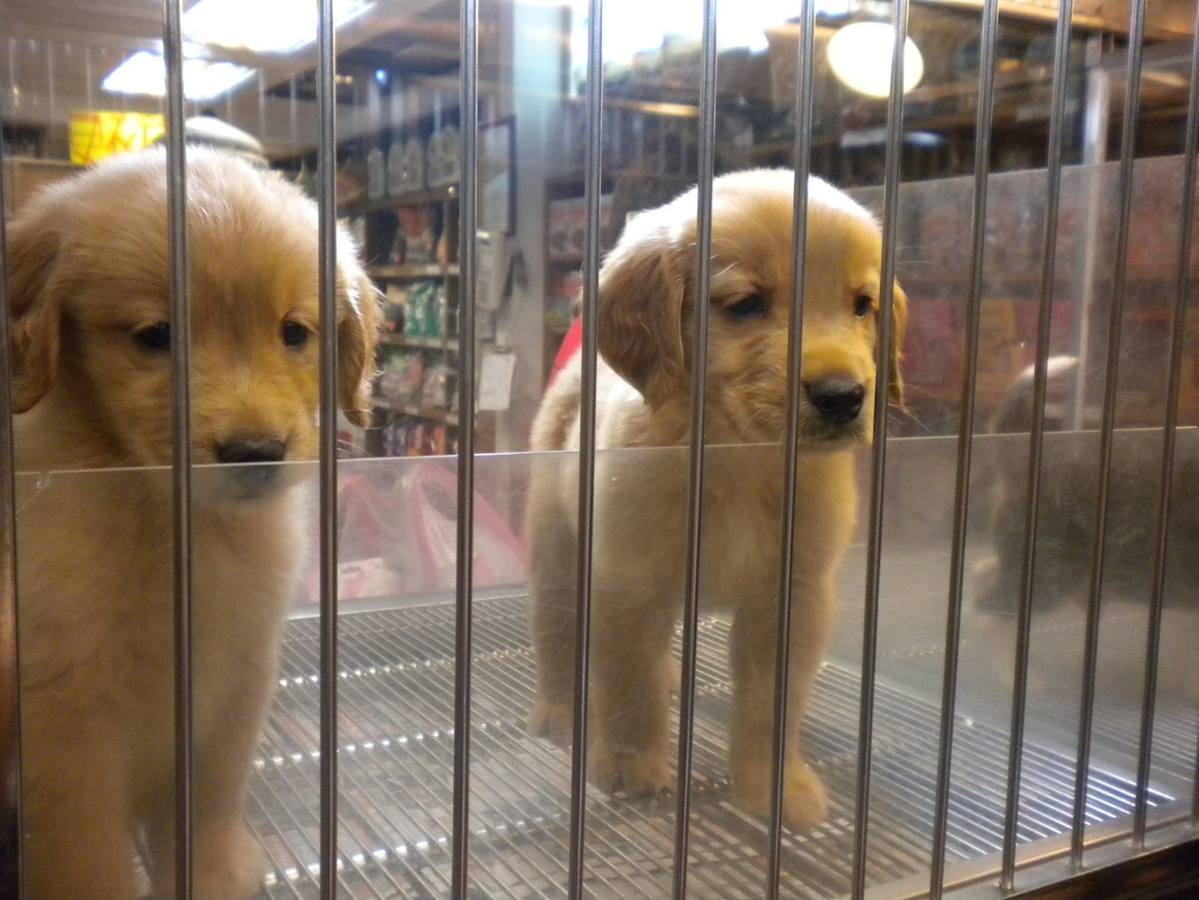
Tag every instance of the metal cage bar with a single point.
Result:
(1111, 381)
(699, 374)
(804, 95)
(180, 441)
(878, 455)
(464, 568)
(961, 489)
(1173, 390)
(10, 693)
(593, 162)
(1036, 439)
(327, 276)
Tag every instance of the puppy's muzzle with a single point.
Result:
(838, 400)
(254, 474)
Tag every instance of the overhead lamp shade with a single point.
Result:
(860, 56)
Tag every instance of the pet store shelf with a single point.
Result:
(423, 343)
(396, 769)
(407, 198)
(420, 412)
(412, 270)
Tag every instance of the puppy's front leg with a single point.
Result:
(630, 697)
(76, 805)
(552, 598)
(751, 737)
(228, 862)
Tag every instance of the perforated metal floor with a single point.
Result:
(397, 757)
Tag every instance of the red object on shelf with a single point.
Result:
(570, 346)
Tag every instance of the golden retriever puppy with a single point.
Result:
(647, 303)
(89, 278)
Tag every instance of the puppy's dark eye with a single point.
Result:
(862, 304)
(295, 334)
(749, 307)
(155, 338)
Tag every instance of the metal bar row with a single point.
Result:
(327, 275)
(181, 441)
(10, 694)
(1132, 91)
(181, 463)
(804, 95)
(592, 188)
(961, 490)
(1036, 439)
(464, 562)
(878, 455)
(1173, 390)
(699, 374)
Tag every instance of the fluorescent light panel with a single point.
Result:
(263, 26)
(145, 73)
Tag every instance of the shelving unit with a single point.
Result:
(412, 270)
(384, 239)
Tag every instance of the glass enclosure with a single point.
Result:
(82, 81)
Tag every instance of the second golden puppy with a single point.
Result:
(646, 306)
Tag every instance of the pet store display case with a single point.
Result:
(398, 675)
(396, 648)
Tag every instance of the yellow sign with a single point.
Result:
(95, 135)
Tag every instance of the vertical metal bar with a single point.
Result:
(293, 129)
(1036, 439)
(878, 458)
(1177, 341)
(699, 373)
(1096, 120)
(326, 99)
(804, 92)
(578, 761)
(51, 99)
(1107, 428)
(10, 691)
(961, 491)
(468, 218)
(261, 107)
(181, 441)
(87, 75)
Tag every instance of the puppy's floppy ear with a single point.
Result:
(358, 323)
(641, 291)
(899, 329)
(34, 245)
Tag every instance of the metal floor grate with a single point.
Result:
(396, 699)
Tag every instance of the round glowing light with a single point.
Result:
(860, 56)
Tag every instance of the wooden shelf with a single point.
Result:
(408, 198)
(424, 343)
(413, 270)
(409, 409)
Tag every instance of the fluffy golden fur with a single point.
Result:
(89, 273)
(646, 306)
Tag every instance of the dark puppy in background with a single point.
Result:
(89, 278)
(1066, 521)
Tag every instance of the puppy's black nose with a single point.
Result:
(838, 400)
(251, 450)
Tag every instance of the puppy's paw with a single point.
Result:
(553, 720)
(805, 803)
(631, 773)
(230, 865)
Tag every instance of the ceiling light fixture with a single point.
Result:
(263, 26)
(860, 56)
(145, 73)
